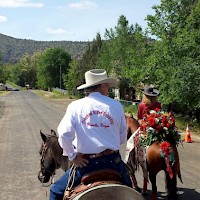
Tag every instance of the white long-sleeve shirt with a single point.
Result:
(91, 125)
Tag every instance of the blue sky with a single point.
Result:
(69, 20)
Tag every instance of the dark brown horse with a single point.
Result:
(51, 157)
(155, 163)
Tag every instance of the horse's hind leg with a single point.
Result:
(132, 167)
(134, 182)
(145, 179)
(152, 178)
(144, 189)
(171, 186)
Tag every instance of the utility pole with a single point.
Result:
(60, 75)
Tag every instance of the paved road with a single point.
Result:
(25, 114)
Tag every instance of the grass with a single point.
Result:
(3, 93)
(54, 94)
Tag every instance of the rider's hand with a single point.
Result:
(80, 161)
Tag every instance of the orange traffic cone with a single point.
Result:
(188, 135)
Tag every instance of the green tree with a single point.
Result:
(72, 78)
(175, 58)
(2, 71)
(52, 65)
(188, 51)
(28, 71)
(91, 55)
(123, 54)
(2, 74)
(15, 73)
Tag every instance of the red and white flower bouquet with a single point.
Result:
(159, 125)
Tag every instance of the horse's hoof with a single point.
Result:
(144, 193)
(138, 189)
(153, 196)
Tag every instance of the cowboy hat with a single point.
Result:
(96, 77)
(150, 91)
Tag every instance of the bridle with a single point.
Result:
(42, 168)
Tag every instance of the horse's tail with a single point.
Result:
(179, 175)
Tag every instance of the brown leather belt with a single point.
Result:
(98, 155)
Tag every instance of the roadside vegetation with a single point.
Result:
(3, 93)
(54, 94)
(181, 121)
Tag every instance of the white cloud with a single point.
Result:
(84, 5)
(19, 3)
(58, 31)
(3, 18)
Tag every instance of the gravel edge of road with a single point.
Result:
(2, 105)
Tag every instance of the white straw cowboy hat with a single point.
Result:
(96, 77)
(150, 91)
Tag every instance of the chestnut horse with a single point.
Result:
(155, 163)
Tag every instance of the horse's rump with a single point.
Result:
(107, 191)
(156, 161)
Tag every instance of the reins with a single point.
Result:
(70, 182)
(44, 150)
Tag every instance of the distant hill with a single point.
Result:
(13, 49)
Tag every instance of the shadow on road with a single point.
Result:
(184, 194)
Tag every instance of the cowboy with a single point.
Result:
(91, 132)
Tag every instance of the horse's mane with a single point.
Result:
(57, 151)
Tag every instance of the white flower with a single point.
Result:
(152, 111)
(165, 128)
(150, 130)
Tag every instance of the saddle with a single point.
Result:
(92, 179)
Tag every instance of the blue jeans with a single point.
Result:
(112, 161)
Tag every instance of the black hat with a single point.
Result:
(150, 91)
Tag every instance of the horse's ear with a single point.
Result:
(53, 132)
(43, 136)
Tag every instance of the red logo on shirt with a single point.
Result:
(97, 112)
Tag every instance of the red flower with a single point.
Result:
(172, 121)
(168, 125)
(157, 109)
(164, 121)
(157, 120)
(159, 128)
(151, 122)
(166, 149)
(165, 146)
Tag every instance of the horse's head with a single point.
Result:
(132, 125)
(48, 163)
